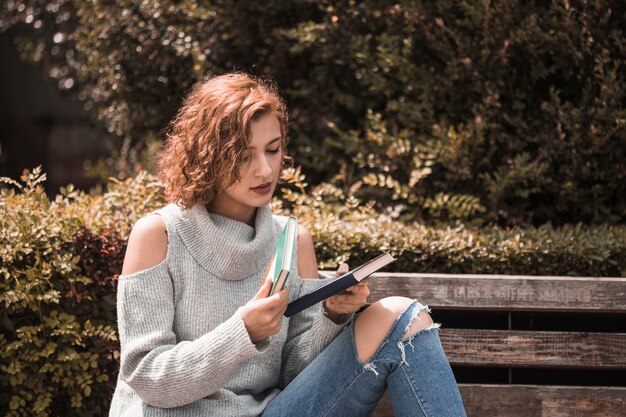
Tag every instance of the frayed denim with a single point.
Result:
(414, 371)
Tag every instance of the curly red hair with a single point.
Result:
(206, 139)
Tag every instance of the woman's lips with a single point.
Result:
(263, 188)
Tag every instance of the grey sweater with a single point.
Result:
(184, 348)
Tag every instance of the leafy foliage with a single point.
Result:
(59, 262)
(510, 112)
(345, 228)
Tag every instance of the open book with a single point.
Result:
(280, 265)
(345, 281)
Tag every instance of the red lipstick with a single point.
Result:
(263, 188)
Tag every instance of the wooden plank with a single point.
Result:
(533, 349)
(534, 400)
(548, 401)
(505, 292)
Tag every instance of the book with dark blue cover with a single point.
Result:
(342, 283)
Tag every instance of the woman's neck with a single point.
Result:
(245, 215)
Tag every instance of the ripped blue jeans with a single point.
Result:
(415, 372)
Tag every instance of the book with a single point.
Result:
(345, 281)
(280, 264)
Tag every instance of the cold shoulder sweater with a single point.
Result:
(185, 351)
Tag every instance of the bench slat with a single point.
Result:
(534, 400)
(505, 292)
(534, 349)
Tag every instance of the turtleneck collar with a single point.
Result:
(227, 248)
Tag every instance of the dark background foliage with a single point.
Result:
(510, 111)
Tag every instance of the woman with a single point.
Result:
(200, 338)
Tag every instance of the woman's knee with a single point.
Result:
(373, 324)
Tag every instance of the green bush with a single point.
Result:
(60, 259)
(59, 262)
(348, 229)
(510, 112)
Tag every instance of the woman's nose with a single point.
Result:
(263, 168)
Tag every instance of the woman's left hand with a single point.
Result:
(348, 301)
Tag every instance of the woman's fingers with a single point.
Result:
(263, 316)
(349, 299)
(343, 269)
(359, 287)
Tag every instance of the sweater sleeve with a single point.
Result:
(310, 331)
(161, 371)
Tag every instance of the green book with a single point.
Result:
(280, 266)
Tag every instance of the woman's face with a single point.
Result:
(259, 173)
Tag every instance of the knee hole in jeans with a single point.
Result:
(373, 324)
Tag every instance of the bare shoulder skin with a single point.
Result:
(307, 261)
(147, 245)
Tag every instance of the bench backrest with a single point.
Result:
(504, 348)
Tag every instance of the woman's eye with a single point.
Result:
(273, 151)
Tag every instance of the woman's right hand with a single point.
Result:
(263, 315)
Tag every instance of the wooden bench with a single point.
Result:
(481, 348)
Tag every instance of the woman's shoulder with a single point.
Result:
(147, 244)
(150, 226)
